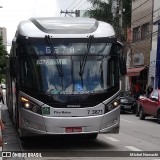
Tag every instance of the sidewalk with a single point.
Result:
(0, 133)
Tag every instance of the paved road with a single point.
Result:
(135, 136)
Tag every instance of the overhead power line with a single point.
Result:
(136, 7)
(77, 4)
(82, 5)
(144, 16)
(140, 5)
(71, 4)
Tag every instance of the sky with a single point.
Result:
(14, 11)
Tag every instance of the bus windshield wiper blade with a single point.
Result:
(58, 65)
(82, 65)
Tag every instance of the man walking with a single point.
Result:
(137, 90)
(1, 95)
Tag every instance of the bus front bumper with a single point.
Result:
(34, 124)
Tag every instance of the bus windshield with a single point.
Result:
(39, 68)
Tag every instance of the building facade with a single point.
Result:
(3, 34)
(141, 31)
(154, 73)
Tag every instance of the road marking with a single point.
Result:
(126, 120)
(133, 148)
(112, 139)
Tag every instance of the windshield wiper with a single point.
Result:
(58, 65)
(82, 65)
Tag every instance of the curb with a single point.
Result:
(0, 131)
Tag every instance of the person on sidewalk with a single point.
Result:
(149, 90)
(1, 95)
(137, 90)
(2, 128)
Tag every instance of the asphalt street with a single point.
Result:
(136, 136)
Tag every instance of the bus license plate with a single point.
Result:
(73, 129)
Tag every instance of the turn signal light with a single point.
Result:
(24, 99)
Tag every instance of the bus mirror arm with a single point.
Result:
(122, 60)
(122, 66)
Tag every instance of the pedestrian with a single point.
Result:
(137, 90)
(2, 128)
(149, 90)
(1, 95)
(132, 89)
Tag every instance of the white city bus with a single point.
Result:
(64, 77)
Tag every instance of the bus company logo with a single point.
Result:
(73, 106)
(6, 154)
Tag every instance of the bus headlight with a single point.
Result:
(112, 105)
(27, 104)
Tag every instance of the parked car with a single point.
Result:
(149, 105)
(128, 102)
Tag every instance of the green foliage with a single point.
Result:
(127, 5)
(3, 58)
(100, 10)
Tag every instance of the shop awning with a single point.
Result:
(134, 71)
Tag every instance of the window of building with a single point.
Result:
(136, 33)
(145, 30)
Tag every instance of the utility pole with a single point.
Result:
(68, 12)
(120, 13)
(121, 17)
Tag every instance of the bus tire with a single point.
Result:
(18, 129)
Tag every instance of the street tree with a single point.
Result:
(3, 59)
(100, 10)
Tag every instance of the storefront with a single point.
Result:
(138, 72)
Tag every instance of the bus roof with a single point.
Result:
(64, 27)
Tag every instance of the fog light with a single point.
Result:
(35, 108)
(110, 107)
